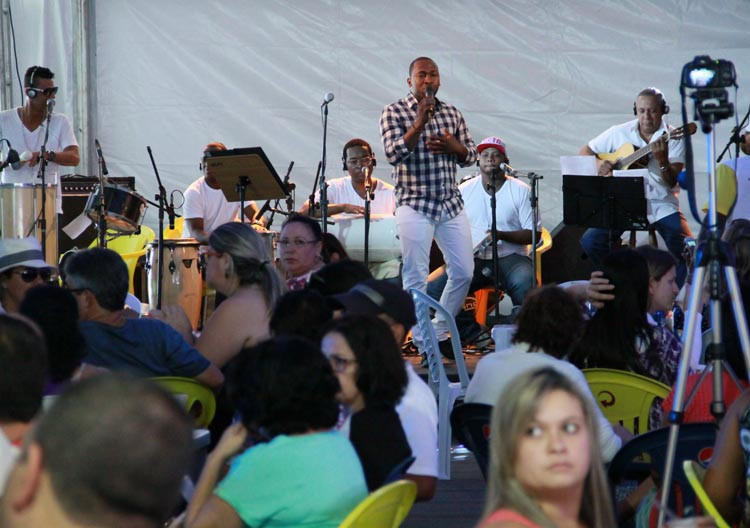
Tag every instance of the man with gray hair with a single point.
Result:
(111, 451)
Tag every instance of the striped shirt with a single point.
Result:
(425, 182)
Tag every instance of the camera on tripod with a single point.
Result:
(709, 78)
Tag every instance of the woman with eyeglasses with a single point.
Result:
(367, 361)
(22, 267)
(300, 249)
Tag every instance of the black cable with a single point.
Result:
(15, 53)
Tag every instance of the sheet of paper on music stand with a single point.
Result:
(639, 173)
(77, 226)
(579, 165)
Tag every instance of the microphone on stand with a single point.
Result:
(99, 153)
(50, 106)
(13, 159)
(327, 99)
(171, 211)
(513, 172)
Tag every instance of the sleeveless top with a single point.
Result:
(508, 515)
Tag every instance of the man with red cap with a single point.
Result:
(514, 225)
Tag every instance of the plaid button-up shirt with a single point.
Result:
(425, 182)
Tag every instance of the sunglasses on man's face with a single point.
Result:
(30, 274)
(47, 91)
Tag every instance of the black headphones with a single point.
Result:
(352, 144)
(33, 92)
(655, 92)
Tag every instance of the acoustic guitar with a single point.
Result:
(627, 155)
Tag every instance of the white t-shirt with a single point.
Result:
(496, 370)
(663, 199)
(60, 137)
(341, 191)
(418, 412)
(512, 214)
(202, 201)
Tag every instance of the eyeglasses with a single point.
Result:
(30, 274)
(48, 91)
(284, 242)
(339, 364)
(359, 162)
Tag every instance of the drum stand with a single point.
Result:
(369, 196)
(713, 257)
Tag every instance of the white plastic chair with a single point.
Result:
(446, 392)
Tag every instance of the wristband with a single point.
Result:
(51, 155)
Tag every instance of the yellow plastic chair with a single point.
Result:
(386, 507)
(130, 248)
(171, 234)
(694, 472)
(482, 295)
(625, 397)
(200, 402)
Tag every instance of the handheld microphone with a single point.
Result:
(327, 99)
(23, 158)
(430, 93)
(513, 172)
(101, 156)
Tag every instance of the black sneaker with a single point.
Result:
(446, 349)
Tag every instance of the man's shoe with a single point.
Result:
(446, 349)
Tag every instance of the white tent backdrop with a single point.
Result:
(546, 76)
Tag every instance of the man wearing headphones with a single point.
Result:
(206, 207)
(25, 127)
(664, 164)
(347, 194)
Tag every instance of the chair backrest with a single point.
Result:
(543, 245)
(170, 234)
(694, 472)
(625, 397)
(386, 507)
(423, 303)
(695, 441)
(200, 400)
(470, 423)
(130, 248)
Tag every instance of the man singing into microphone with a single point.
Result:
(514, 222)
(424, 139)
(25, 128)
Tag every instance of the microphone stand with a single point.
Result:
(735, 137)
(42, 220)
(494, 176)
(161, 199)
(534, 199)
(369, 194)
(323, 184)
(311, 199)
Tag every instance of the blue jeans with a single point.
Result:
(672, 228)
(515, 275)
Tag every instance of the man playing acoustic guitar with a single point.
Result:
(662, 148)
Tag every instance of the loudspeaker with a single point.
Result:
(566, 260)
(75, 194)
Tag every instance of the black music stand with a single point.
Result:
(616, 203)
(245, 174)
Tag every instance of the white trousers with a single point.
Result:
(453, 237)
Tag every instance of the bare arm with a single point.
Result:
(425, 486)
(211, 377)
(333, 209)
(520, 236)
(196, 229)
(603, 167)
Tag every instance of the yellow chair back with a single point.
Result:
(200, 402)
(130, 248)
(386, 507)
(170, 234)
(625, 397)
(694, 473)
(545, 245)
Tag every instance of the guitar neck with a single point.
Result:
(635, 156)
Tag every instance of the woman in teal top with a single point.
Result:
(297, 470)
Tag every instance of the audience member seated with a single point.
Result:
(368, 364)
(417, 408)
(110, 452)
(98, 278)
(22, 267)
(301, 250)
(338, 277)
(545, 464)
(619, 335)
(301, 313)
(55, 310)
(662, 283)
(333, 249)
(239, 267)
(23, 360)
(296, 470)
(549, 326)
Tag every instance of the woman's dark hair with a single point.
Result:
(332, 246)
(732, 345)
(284, 385)
(381, 375)
(311, 223)
(610, 337)
(550, 321)
(338, 277)
(55, 310)
(301, 313)
(737, 235)
(659, 261)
